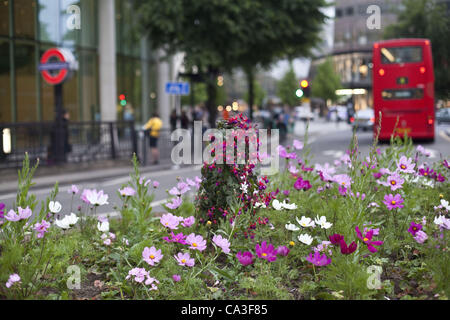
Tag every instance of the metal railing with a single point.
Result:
(84, 142)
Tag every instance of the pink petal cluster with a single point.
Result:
(170, 221)
(151, 255)
(223, 243)
(23, 214)
(184, 259)
(196, 242)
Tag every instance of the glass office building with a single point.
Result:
(29, 27)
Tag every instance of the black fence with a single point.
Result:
(86, 141)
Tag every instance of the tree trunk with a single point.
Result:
(251, 91)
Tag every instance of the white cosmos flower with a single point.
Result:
(103, 226)
(445, 204)
(292, 227)
(277, 205)
(260, 204)
(67, 221)
(97, 198)
(305, 238)
(244, 187)
(443, 222)
(289, 206)
(54, 206)
(322, 222)
(306, 222)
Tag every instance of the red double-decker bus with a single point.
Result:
(403, 88)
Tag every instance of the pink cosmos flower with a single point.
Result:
(343, 180)
(367, 239)
(405, 165)
(414, 228)
(127, 192)
(107, 242)
(41, 228)
(393, 202)
(292, 169)
(155, 184)
(297, 144)
(347, 249)
(223, 243)
(73, 190)
(283, 251)
(423, 151)
(301, 184)
(151, 281)
(189, 221)
(179, 238)
(395, 181)
(196, 242)
(326, 171)
(170, 221)
(96, 198)
(139, 274)
(184, 259)
(284, 154)
(266, 252)
(23, 214)
(13, 278)
(420, 236)
(318, 259)
(175, 203)
(245, 258)
(151, 255)
(176, 278)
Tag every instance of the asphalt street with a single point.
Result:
(327, 141)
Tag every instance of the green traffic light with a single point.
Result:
(123, 103)
(299, 93)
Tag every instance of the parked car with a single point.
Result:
(443, 115)
(363, 119)
(337, 113)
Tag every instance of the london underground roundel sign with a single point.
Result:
(56, 65)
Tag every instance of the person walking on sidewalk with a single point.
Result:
(154, 126)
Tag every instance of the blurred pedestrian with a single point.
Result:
(184, 120)
(173, 120)
(154, 125)
(128, 116)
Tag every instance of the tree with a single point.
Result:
(326, 82)
(259, 94)
(220, 35)
(427, 19)
(287, 87)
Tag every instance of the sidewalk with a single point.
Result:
(74, 173)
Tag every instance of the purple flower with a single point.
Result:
(13, 278)
(343, 180)
(367, 239)
(266, 252)
(426, 172)
(301, 184)
(73, 190)
(446, 164)
(347, 249)
(196, 242)
(139, 274)
(176, 278)
(189, 221)
(414, 228)
(127, 192)
(151, 255)
(223, 243)
(405, 165)
(155, 184)
(41, 228)
(395, 181)
(283, 251)
(336, 238)
(245, 258)
(284, 154)
(420, 236)
(297, 144)
(393, 202)
(179, 238)
(286, 192)
(175, 203)
(184, 259)
(318, 259)
(170, 221)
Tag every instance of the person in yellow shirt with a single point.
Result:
(154, 126)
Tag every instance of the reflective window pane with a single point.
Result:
(5, 84)
(24, 16)
(4, 17)
(26, 70)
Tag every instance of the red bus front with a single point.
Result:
(403, 88)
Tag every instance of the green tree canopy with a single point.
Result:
(259, 93)
(326, 82)
(427, 19)
(287, 87)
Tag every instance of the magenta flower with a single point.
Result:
(414, 228)
(367, 239)
(405, 165)
(223, 243)
(284, 154)
(446, 164)
(127, 192)
(318, 260)
(176, 278)
(393, 202)
(266, 252)
(170, 221)
(189, 221)
(347, 249)
(155, 184)
(283, 251)
(151, 255)
(420, 236)
(301, 184)
(41, 228)
(426, 172)
(175, 203)
(179, 238)
(184, 259)
(245, 258)
(196, 242)
(23, 214)
(336, 238)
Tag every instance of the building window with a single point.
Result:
(24, 17)
(338, 12)
(4, 18)
(26, 70)
(349, 11)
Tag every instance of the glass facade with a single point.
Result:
(29, 27)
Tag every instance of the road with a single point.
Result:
(328, 142)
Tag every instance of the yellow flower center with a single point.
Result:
(365, 240)
(264, 254)
(414, 228)
(152, 257)
(393, 182)
(167, 223)
(441, 196)
(183, 260)
(343, 183)
(194, 244)
(208, 223)
(425, 174)
(292, 243)
(393, 202)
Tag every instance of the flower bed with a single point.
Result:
(370, 228)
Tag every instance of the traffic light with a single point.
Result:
(304, 84)
(123, 100)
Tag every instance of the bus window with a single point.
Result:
(401, 55)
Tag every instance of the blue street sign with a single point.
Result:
(178, 88)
